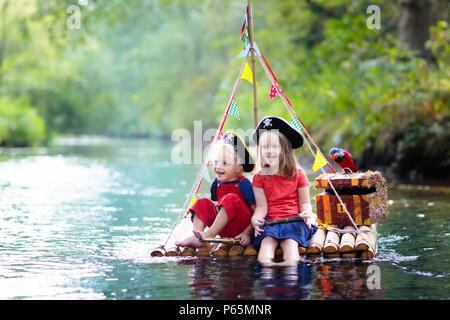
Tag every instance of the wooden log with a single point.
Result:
(221, 250)
(236, 251)
(331, 244)
(158, 251)
(250, 251)
(188, 252)
(221, 240)
(204, 251)
(368, 254)
(347, 244)
(331, 255)
(301, 250)
(349, 254)
(171, 252)
(317, 241)
(371, 251)
(366, 240)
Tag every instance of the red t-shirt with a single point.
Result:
(281, 193)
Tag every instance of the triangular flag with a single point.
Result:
(247, 73)
(193, 201)
(233, 109)
(244, 29)
(319, 162)
(296, 123)
(273, 90)
(244, 51)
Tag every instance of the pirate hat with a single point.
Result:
(241, 149)
(277, 123)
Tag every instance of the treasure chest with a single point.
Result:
(364, 195)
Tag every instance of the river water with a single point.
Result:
(78, 221)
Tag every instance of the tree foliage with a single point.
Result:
(144, 68)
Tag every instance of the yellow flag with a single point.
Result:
(247, 73)
(193, 200)
(319, 162)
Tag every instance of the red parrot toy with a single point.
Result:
(343, 159)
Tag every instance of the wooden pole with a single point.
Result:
(221, 240)
(252, 51)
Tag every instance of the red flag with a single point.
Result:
(273, 90)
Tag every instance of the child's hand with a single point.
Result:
(199, 234)
(306, 215)
(245, 239)
(256, 222)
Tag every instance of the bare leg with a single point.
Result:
(267, 251)
(290, 252)
(219, 223)
(193, 241)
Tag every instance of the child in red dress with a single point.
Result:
(231, 215)
(281, 190)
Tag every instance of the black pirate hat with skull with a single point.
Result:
(277, 123)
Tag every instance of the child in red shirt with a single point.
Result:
(281, 191)
(230, 216)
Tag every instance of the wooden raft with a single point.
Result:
(364, 196)
(325, 243)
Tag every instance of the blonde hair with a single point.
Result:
(236, 158)
(287, 165)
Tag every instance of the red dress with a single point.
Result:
(281, 193)
(236, 197)
(282, 202)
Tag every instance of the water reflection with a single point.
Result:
(289, 282)
(346, 280)
(245, 278)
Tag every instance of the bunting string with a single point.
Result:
(293, 114)
(199, 178)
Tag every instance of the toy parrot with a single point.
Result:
(343, 159)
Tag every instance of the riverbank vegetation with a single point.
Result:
(145, 68)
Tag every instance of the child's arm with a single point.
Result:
(304, 204)
(260, 211)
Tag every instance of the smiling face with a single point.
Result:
(225, 164)
(275, 155)
(269, 150)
